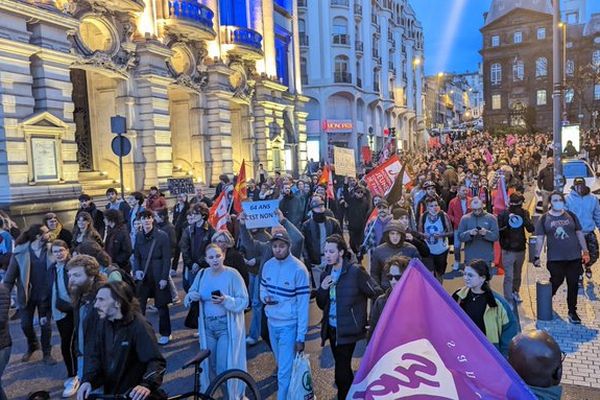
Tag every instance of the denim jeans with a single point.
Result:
(283, 342)
(27, 315)
(4, 357)
(257, 306)
(457, 246)
(217, 341)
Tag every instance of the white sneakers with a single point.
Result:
(517, 298)
(71, 386)
(456, 266)
(164, 340)
(251, 341)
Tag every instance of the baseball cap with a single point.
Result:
(383, 204)
(279, 233)
(428, 184)
(579, 181)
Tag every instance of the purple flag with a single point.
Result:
(426, 347)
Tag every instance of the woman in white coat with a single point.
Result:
(222, 296)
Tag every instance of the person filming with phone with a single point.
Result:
(478, 230)
(223, 297)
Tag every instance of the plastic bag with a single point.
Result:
(301, 387)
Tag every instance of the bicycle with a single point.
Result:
(216, 386)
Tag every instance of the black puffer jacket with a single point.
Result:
(513, 238)
(5, 340)
(312, 243)
(124, 354)
(352, 290)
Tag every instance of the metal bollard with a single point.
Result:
(544, 300)
(532, 248)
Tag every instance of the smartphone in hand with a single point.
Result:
(216, 293)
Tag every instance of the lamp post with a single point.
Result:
(557, 96)
(563, 26)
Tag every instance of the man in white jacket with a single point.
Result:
(285, 291)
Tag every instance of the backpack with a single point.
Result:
(126, 276)
(569, 213)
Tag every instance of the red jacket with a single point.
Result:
(455, 211)
(156, 203)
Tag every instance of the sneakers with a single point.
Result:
(517, 298)
(456, 266)
(27, 356)
(176, 300)
(151, 308)
(71, 386)
(164, 340)
(173, 273)
(574, 318)
(48, 359)
(588, 272)
(251, 341)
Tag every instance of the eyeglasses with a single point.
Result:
(563, 355)
(394, 277)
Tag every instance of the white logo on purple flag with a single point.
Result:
(412, 369)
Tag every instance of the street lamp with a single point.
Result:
(557, 96)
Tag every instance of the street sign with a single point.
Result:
(118, 124)
(121, 146)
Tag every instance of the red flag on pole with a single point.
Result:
(218, 213)
(323, 179)
(240, 191)
(330, 192)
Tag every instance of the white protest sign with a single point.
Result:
(261, 214)
(345, 164)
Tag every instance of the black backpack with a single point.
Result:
(126, 276)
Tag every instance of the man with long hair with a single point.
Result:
(123, 357)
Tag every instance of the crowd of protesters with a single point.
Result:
(94, 278)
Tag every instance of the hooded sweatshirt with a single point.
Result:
(586, 207)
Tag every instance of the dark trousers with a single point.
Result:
(27, 315)
(164, 319)
(356, 238)
(569, 270)
(342, 355)
(66, 330)
(440, 263)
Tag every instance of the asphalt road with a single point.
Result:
(20, 379)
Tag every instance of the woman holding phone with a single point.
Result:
(222, 295)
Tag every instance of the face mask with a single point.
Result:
(558, 206)
(319, 217)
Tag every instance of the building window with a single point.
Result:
(340, 31)
(570, 67)
(518, 37)
(341, 70)
(541, 67)
(596, 92)
(376, 80)
(496, 74)
(496, 102)
(233, 12)
(495, 41)
(541, 98)
(541, 33)
(303, 71)
(569, 94)
(572, 18)
(596, 58)
(518, 70)
(282, 41)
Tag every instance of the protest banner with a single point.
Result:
(381, 179)
(180, 185)
(432, 351)
(261, 214)
(345, 164)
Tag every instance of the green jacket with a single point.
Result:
(500, 322)
(547, 393)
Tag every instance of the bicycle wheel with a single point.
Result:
(233, 380)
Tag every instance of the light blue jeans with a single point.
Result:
(257, 306)
(217, 341)
(283, 342)
(457, 246)
(4, 357)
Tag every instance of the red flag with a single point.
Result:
(500, 201)
(330, 192)
(240, 191)
(324, 175)
(218, 213)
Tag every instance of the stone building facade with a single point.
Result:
(203, 85)
(362, 68)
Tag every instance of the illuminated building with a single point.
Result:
(204, 84)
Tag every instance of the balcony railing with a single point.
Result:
(359, 82)
(245, 42)
(302, 3)
(304, 79)
(358, 9)
(303, 39)
(391, 66)
(359, 46)
(376, 86)
(374, 19)
(341, 39)
(192, 11)
(375, 52)
(342, 77)
(344, 3)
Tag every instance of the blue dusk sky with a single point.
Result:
(452, 37)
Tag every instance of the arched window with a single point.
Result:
(303, 71)
(301, 26)
(541, 67)
(496, 74)
(340, 31)
(342, 70)
(518, 70)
